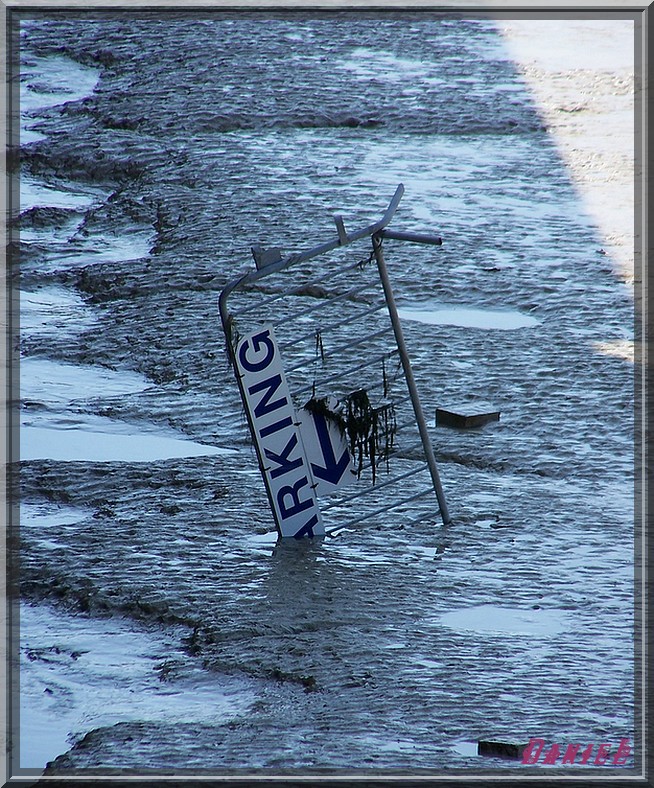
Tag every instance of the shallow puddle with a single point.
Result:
(35, 193)
(490, 619)
(466, 317)
(77, 674)
(57, 433)
(97, 439)
(367, 64)
(48, 515)
(48, 82)
(54, 382)
(53, 312)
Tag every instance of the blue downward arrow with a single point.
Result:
(333, 470)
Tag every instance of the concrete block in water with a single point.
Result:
(501, 749)
(466, 416)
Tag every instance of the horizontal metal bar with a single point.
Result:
(374, 487)
(348, 371)
(344, 347)
(418, 238)
(404, 425)
(296, 289)
(399, 451)
(383, 510)
(322, 303)
(253, 276)
(336, 324)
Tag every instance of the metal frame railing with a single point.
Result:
(270, 262)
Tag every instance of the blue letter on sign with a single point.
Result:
(285, 464)
(269, 386)
(298, 505)
(257, 341)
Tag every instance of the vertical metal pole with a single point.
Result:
(408, 373)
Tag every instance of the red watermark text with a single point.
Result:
(576, 754)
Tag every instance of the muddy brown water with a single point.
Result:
(208, 134)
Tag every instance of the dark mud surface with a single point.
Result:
(208, 134)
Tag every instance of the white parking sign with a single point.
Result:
(284, 464)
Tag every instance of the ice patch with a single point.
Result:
(504, 320)
(77, 674)
(489, 619)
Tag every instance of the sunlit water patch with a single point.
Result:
(86, 438)
(77, 674)
(490, 619)
(474, 184)
(35, 193)
(57, 383)
(467, 317)
(54, 312)
(619, 348)
(48, 82)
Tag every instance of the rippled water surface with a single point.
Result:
(155, 153)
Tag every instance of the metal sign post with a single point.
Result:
(349, 427)
(406, 364)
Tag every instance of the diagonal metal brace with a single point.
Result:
(340, 227)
